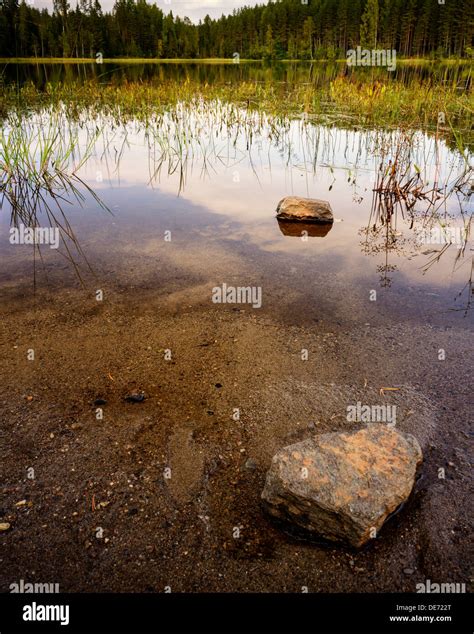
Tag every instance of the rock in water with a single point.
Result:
(304, 210)
(297, 229)
(342, 486)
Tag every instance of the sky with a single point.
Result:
(193, 9)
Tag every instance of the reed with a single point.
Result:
(344, 100)
(39, 165)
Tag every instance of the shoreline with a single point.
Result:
(212, 60)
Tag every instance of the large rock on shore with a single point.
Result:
(343, 486)
(298, 209)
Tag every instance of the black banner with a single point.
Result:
(234, 614)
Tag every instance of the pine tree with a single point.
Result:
(61, 8)
(369, 24)
(308, 34)
(287, 28)
(269, 43)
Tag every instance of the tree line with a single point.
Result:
(282, 29)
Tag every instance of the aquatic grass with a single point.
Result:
(183, 126)
(345, 100)
(404, 188)
(416, 105)
(39, 165)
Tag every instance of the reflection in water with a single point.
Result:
(403, 188)
(233, 161)
(39, 177)
(304, 229)
(317, 73)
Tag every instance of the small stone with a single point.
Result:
(135, 397)
(100, 401)
(408, 571)
(4, 526)
(250, 464)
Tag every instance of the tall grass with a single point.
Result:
(344, 100)
(39, 165)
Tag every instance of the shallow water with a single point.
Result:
(207, 180)
(318, 73)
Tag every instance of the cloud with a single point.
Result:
(193, 9)
(197, 9)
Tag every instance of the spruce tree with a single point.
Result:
(369, 24)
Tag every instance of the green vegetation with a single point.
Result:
(345, 100)
(39, 167)
(287, 29)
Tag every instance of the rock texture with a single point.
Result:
(304, 210)
(342, 486)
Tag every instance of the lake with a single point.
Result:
(159, 203)
(214, 176)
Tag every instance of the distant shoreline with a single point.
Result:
(210, 60)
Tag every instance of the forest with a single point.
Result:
(284, 29)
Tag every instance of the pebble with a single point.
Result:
(135, 397)
(408, 571)
(4, 526)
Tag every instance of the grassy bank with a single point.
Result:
(350, 100)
